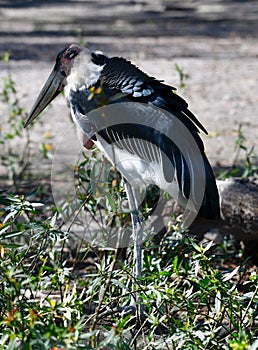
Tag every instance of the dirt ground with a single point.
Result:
(214, 42)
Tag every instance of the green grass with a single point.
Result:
(195, 296)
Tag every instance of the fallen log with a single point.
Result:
(239, 210)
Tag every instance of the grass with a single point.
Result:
(59, 291)
(196, 296)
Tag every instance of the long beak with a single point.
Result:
(53, 86)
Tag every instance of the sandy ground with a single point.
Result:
(214, 42)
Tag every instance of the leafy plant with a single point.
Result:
(12, 132)
(192, 298)
(182, 76)
(250, 166)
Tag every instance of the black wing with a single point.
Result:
(119, 74)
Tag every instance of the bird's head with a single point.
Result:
(56, 81)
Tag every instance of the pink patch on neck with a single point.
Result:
(87, 143)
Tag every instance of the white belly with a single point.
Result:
(137, 171)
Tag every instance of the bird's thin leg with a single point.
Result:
(137, 240)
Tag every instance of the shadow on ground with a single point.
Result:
(25, 25)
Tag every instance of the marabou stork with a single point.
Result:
(82, 74)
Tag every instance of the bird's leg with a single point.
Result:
(137, 240)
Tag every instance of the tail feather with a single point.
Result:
(210, 207)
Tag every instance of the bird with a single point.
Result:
(147, 132)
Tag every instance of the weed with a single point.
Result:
(250, 166)
(182, 76)
(192, 298)
(12, 132)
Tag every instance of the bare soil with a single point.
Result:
(214, 42)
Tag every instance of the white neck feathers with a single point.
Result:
(83, 72)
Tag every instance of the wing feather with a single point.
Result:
(119, 76)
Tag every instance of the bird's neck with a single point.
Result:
(84, 73)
